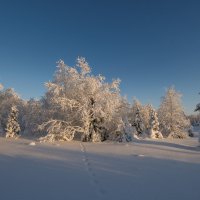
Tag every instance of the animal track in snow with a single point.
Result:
(92, 176)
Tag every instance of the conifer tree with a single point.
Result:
(138, 123)
(197, 107)
(13, 127)
(154, 130)
(1, 130)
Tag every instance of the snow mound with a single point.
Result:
(32, 144)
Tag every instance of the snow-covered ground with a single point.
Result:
(144, 169)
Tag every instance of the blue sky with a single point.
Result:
(149, 45)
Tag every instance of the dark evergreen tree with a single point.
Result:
(138, 123)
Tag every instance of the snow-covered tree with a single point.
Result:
(138, 123)
(33, 115)
(146, 116)
(154, 129)
(8, 97)
(133, 110)
(173, 121)
(13, 127)
(136, 117)
(1, 130)
(197, 107)
(194, 119)
(1, 87)
(77, 102)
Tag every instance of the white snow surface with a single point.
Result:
(144, 169)
(32, 144)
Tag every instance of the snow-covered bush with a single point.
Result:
(77, 102)
(173, 121)
(12, 126)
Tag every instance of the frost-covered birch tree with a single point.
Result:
(173, 121)
(77, 102)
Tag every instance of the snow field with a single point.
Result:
(145, 169)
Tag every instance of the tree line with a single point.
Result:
(80, 105)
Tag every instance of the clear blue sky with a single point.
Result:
(149, 45)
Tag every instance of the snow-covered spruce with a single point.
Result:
(79, 104)
(146, 115)
(198, 109)
(195, 119)
(125, 131)
(173, 121)
(8, 97)
(33, 115)
(139, 115)
(13, 127)
(154, 130)
(138, 123)
(1, 130)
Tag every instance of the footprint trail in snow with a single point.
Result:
(92, 176)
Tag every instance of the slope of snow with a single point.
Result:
(144, 169)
